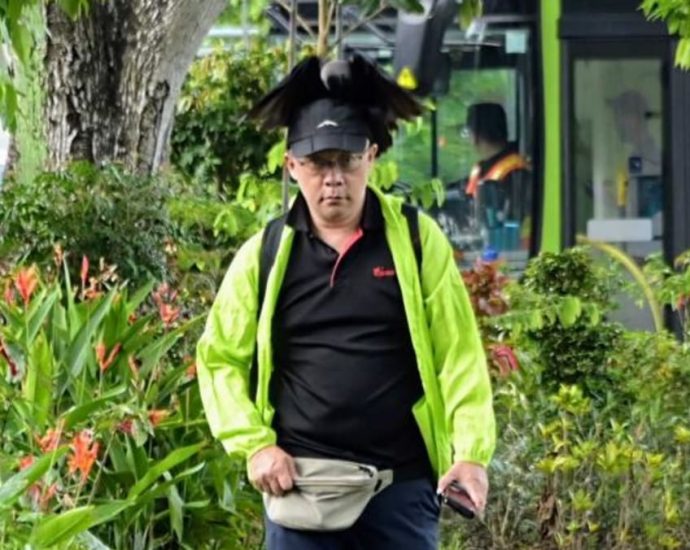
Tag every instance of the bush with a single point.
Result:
(95, 212)
(211, 139)
(594, 438)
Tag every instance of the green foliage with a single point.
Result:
(569, 273)
(211, 140)
(210, 229)
(672, 286)
(676, 14)
(601, 461)
(558, 311)
(98, 213)
(112, 447)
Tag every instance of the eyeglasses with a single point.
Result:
(320, 162)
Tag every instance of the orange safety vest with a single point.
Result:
(498, 172)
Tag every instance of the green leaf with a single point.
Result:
(38, 385)
(139, 296)
(56, 529)
(37, 317)
(15, 486)
(76, 356)
(569, 311)
(173, 459)
(176, 507)
(89, 541)
(77, 414)
(162, 489)
(152, 353)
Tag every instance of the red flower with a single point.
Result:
(84, 270)
(126, 426)
(165, 298)
(47, 496)
(103, 361)
(168, 313)
(26, 462)
(191, 370)
(26, 282)
(156, 416)
(84, 453)
(504, 358)
(51, 440)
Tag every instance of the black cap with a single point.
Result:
(327, 124)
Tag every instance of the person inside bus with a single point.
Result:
(500, 182)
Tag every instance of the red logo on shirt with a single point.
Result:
(381, 272)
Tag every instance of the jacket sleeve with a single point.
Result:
(458, 352)
(224, 358)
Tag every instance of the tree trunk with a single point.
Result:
(113, 77)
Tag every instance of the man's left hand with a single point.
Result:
(473, 478)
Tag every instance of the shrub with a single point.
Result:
(602, 460)
(211, 140)
(95, 212)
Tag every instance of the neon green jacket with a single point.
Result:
(455, 415)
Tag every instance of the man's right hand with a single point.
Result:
(272, 471)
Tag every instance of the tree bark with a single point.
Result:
(113, 77)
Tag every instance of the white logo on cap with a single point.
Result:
(327, 123)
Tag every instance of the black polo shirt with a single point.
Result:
(346, 375)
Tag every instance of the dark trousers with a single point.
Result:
(404, 516)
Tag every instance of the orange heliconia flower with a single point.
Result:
(84, 453)
(51, 440)
(126, 426)
(84, 270)
(26, 282)
(165, 298)
(46, 497)
(191, 370)
(26, 462)
(103, 361)
(168, 313)
(156, 416)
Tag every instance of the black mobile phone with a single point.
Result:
(459, 500)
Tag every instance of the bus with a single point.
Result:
(593, 107)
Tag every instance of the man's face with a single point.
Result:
(333, 182)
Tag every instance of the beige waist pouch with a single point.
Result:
(329, 495)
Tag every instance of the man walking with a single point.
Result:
(371, 391)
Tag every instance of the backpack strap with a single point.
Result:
(270, 241)
(412, 214)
